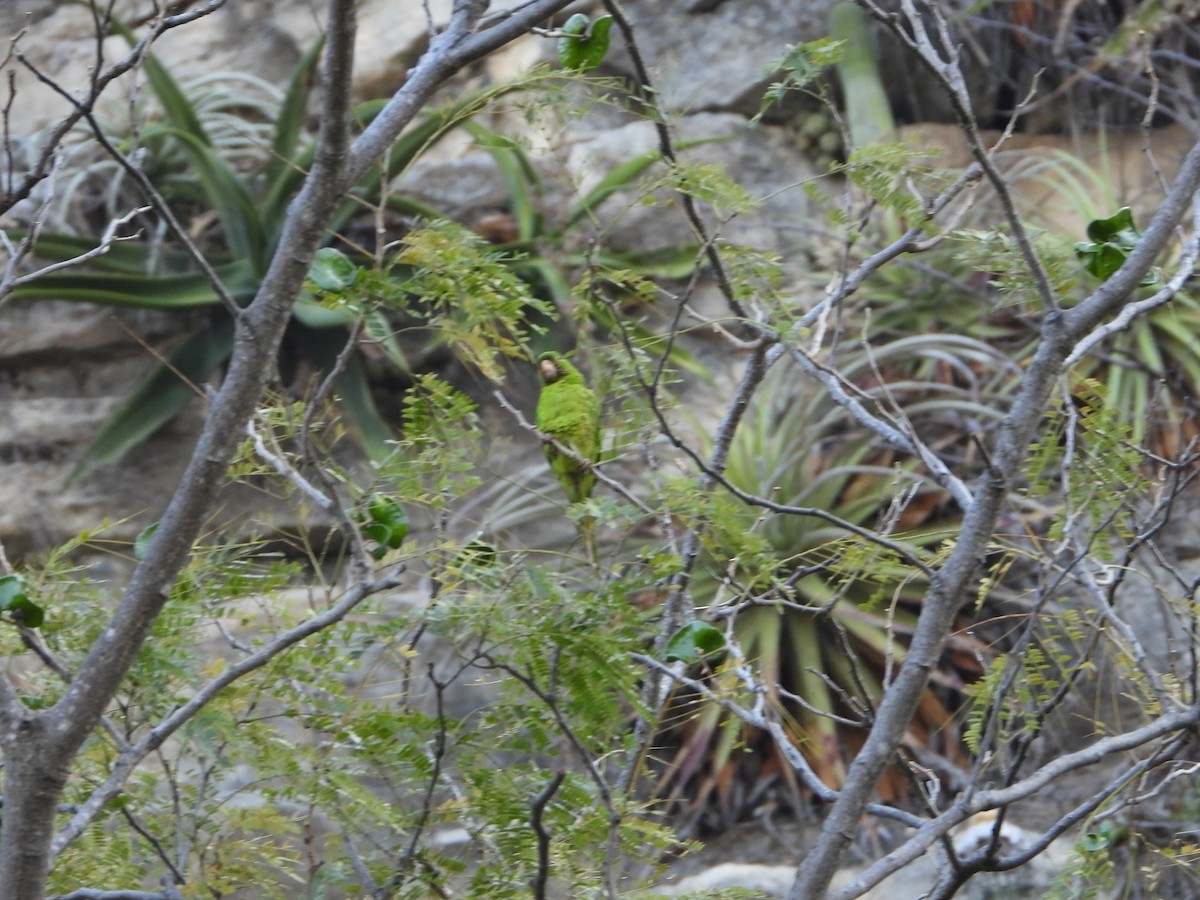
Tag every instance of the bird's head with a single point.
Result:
(548, 365)
(554, 368)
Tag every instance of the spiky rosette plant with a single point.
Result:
(1149, 367)
(231, 189)
(820, 613)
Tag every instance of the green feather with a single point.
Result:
(569, 412)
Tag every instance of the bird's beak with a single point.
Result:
(549, 370)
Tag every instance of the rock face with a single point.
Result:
(64, 366)
(916, 879)
(265, 39)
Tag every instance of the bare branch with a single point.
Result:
(1131, 311)
(131, 757)
(536, 809)
(943, 61)
(10, 281)
(449, 52)
(92, 894)
(898, 438)
(971, 803)
(647, 95)
(954, 581)
(100, 82)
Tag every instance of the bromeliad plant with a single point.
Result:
(236, 191)
(1150, 369)
(821, 614)
(249, 206)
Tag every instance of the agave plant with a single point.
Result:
(822, 615)
(1150, 369)
(248, 205)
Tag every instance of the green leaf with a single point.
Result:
(293, 110)
(623, 175)
(1101, 838)
(1116, 229)
(620, 177)
(141, 543)
(1101, 260)
(868, 111)
(478, 553)
(386, 522)
(13, 599)
(666, 262)
(286, 170)
(124, 256)
(539, 271)
(800, 66)
(583, 47)
(576, 25)
(309, 312)
(1112, 240)
(354, 392)
(416, 139)
(230, 197)
(12, 590)
(319, 348)
(139, 291)
(518, 173)
(414, 208)
(160, 396)
(378, 329)
(693, 642)
(332, 270)
(30, 614)
(176, 106)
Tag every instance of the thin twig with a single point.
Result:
(107, 240)
(99, 83)
(647, 95)
(128, 759)
(536, 808)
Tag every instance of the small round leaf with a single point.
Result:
(141, 543)
(693, 642)
(386, 522)
(583, 45)
(332, 270)
(16, 602)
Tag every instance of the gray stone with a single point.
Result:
(716, 57)
(760, 159)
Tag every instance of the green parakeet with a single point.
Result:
(569, 412)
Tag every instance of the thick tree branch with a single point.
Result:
(953, 583)
(449, 52)
(970, 804)
(39, 745)
(258, 334)
(130, 757)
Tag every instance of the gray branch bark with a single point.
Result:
(956, 580)
(39, 745)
